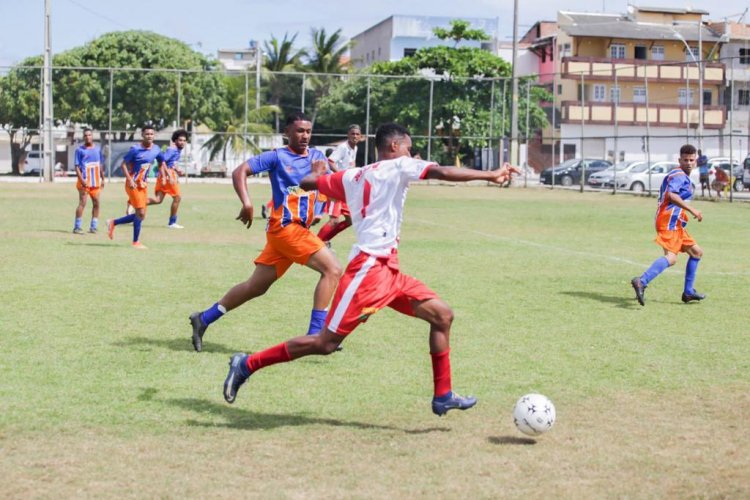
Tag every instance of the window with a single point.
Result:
(409, 52)
(614, 94)
(238, 56)
(692, 54)
(617, 51)
(640, 52)
(744, 56)
(657, 52)
(707, 96)
(685, 97)
(599, 91)
(743, 97)
(639, 94)
(564, 50)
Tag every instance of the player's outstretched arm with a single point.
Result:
(239, 181)
(309, 182)
(455, 174)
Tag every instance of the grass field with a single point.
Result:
(102, 395)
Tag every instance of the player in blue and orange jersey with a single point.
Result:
(288, 238)
(168, 178)
(89, 169)
(671, 218)
(136, 166)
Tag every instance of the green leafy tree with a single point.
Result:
(281, 56)
(460, 30)
(20, 95)
(324, 60)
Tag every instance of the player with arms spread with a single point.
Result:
(376, 195)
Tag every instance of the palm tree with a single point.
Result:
(281, 56)
(234, 137)
(325, 58)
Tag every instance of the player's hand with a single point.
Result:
(504, 173)
(246, 216)
(141, 185)
(319, 167)
(697, 214)
(131, 184)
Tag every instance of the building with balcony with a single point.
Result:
(636, 74)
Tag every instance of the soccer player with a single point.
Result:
(136, 166)
(342, 158)
(703, 172)
(671, 218)
(89, 163)
(167, 182)
(376, 194)
(288, 238)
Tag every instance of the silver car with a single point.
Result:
(605, 177)
(648, 177)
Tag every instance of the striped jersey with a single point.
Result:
(139, 160)
(668, 215)
(376, 194)
(90, 161)
(291, 204)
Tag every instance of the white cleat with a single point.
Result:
(175, 226)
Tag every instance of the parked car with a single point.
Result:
(649, 176)
(32, 165)
(723, 162)
(569, 172)
(743, 181)
(599, 179)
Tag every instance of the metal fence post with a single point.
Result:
(429, 121)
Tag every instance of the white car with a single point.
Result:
(648, 177)
(605, 177)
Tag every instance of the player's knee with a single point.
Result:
(444, 317)
(334, 270)
(671, 259)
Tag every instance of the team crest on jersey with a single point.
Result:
(367, 312)
(294, 190)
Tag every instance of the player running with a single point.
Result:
(376, 194)
(167, 182)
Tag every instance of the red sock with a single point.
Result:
(325, 231)
(271, 356)
(441, 372)
(337, 228)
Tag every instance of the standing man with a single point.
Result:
(89, 162)
(342, 158)
(703, 171)
(376, 194)
(167, 182)
(671, 218)
(288, 237)
(136, 166)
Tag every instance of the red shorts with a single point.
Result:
(172, 188)
(674, 241)
(368, 285)
(91, 191)
(336, 208)
(138, 197)
(287, 245)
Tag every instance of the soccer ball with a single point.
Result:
(534, 414)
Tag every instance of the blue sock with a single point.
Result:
(94, 223)
(317, 318)
(77, 223)
(690, 270)
(658, 266)
(127, 219)
(136, 228)
(213, 313)
(173, 220)
(443, 399)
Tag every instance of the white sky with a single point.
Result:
(213, 24)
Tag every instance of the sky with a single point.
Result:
(230, 24)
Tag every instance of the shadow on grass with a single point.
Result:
(618, 300)
(180, 344)
(511, 440)
(84, 244)
(237, 418)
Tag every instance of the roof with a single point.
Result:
(621, 26)
(673, 10)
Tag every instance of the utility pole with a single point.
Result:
(514, 90)
(49, 146)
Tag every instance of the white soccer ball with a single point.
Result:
(534, 414)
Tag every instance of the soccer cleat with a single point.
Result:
(175, 226)
(111, 228)
(455, 402)
(264, 211)
(77, 230)
(199, 328)
(92, 230)
(639, 290)
(689, 297)
(235, 377)
(139, 246)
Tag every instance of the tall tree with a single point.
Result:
(460, 30)
(281, 56)
(324, 60)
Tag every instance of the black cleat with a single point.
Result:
(455, 402)
(639, 290)
(235, 377)
(264, 211)
(199, 328)
(689, 297)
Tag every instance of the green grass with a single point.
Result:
(102, 395)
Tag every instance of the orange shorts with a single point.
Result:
(171, 188)
(138, 197)
(91, 191)
(287, 245)
(674, 241)
(336, 208)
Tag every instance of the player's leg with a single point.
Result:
(139, 217)
(94, 227)
(77, 229)
(173, 212)
(695, 253)
(157, 199)
(325, 262)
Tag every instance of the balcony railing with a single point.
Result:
(603, 68)
(632, 113)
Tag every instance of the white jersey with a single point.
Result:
(344, 156)
(376, 195)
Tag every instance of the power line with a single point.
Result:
(97, 14)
